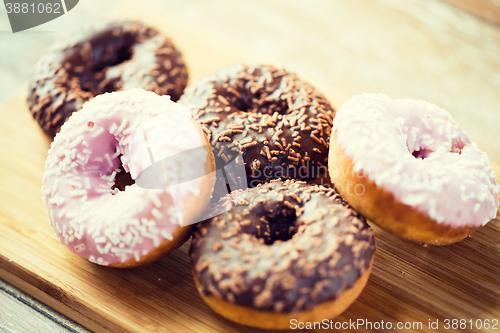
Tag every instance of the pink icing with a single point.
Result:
(170, 140)
(417, 152)
(102, 224)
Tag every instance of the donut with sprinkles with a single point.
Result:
(280, 123)
(120, 224)
(104, 57)
(407, 166)
(289, 251)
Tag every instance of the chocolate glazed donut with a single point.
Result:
(104, 58)
(280, 123)
(290, 251)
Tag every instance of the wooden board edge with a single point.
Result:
(30, 283)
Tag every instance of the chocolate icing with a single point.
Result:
(105, 57)
(280, 123)
(287, 248)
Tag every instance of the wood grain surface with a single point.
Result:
(422, 49)
(487, 9)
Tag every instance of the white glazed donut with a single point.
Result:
(408, 167)
(137, 225)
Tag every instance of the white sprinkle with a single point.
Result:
(114, 239)
(119, 251)
(108, 158)
(98, 130)
(77, 184)
(135, 222)
(100, 240)
(165, 234)
(476, 207)
(122, 126)
(155, 199)
(58, 200)
(77, 193)
(156, 213)
(101, 261)
(127, 238)
(112, 176)
(76, 142)
(156, 240)
(107, 247)
(113, 128)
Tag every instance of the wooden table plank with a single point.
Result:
(15, 318)
(21, 313)
(421, 49)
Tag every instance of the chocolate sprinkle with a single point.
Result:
(273, 110)
(301, 246)
(105, 57)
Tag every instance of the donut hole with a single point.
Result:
(120, 53)
(457, 146)
(105, 57)
(282, 226)
(122, 180)
(422, 153)
(243, 103)
(259, 100)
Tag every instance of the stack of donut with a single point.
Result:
(288, 247)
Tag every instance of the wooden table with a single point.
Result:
(417, 48)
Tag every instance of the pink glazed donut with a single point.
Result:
(86, 208)
(407, 166)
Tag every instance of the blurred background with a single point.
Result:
(442, 51)
(446, 52)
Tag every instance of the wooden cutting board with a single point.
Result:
(324, 43)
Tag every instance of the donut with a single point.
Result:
(291, 251)
(407, 166)
(91, 212)
(105, 57)
(279, 123)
